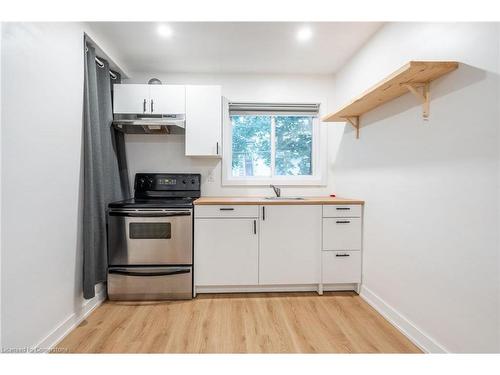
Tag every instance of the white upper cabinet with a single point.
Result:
(290, 244)
(149, 99)
(167, 99)
(131, 99)
(203, 120)
(202, 106)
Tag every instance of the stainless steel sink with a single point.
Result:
(284, 198)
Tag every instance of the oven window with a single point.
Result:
(151, 231)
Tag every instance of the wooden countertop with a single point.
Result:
(263, 200)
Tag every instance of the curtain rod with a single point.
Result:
(101, 64)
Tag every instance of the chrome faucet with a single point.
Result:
(277, 190)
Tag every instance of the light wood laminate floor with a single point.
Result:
(337, 322)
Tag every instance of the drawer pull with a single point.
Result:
(226, 209)
(342, 255)
(342, 208)
(343, 221)
(255, 227)
(146, 273)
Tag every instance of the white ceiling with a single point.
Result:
(235, 47)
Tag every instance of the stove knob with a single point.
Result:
(184, 182)
(193, 181)
(150, 182)
(141, 183)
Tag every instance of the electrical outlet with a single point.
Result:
(211, 177)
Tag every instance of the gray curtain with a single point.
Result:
(105, 169)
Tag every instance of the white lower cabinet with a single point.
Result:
(339, 267)
(290, 244)
(276, 247)
(342, 240)
(226, 251)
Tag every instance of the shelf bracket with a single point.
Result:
(422, 93)
(354, 121)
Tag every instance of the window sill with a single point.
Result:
(301, 181)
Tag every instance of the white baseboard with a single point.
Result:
(272, 288)
(60, 332)
(407, 328)
(340, 287)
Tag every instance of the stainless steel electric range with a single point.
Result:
(150, 239)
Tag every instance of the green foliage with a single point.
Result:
(293, 146)
(251, 145)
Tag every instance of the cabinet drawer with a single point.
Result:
(149, 283)
(352, 210)
(341, 267)
(341, 233)
(226, 211)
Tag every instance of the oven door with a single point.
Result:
(150, 283)
(152, 237)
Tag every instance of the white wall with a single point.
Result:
(431, 219)
(498, 182)
(160, 153)
(1, 27)
(42, 103)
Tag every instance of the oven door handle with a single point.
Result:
(150, 214)
(149, 273)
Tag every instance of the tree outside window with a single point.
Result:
(267, 146)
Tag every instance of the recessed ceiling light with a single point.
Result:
(164, 31)
(304, 34)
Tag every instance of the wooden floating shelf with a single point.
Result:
(414, 77)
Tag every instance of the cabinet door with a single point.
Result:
(133, 98)
(167, 99)
(290, 244)
(226, 252)
(203, 120)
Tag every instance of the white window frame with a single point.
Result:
(319, 159)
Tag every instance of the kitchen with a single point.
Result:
(331, 195)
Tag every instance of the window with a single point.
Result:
(272, 144)
(264, 146)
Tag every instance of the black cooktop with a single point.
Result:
(163, 190)
(154, 203)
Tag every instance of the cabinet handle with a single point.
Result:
(255, 227)
(226, 209)
(217, 148)
(342, 255)
(263, 213)
(343, 208)
(152, 108)
(144, 106)
(343, 222)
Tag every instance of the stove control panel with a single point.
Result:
(150, 182)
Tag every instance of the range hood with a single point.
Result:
(135, 124)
